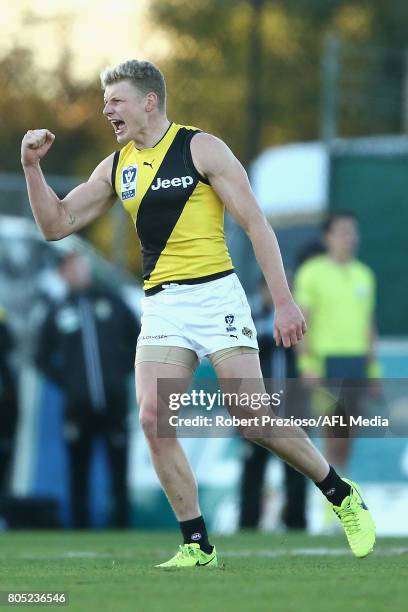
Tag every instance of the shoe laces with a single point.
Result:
(349, 516)
(186, 549)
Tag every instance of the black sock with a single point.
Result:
(334, 488)
(195, 532)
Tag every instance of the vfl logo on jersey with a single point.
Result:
(184, 182)
(128, 186)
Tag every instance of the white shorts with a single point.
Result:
(205, 318)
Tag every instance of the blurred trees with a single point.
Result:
(247, 70)
(73, 111)
(213, 70)
(212, 73)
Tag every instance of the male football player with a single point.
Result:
(175, 180)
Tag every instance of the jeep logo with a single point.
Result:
(184, 181)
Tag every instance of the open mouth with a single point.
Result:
(118, 126)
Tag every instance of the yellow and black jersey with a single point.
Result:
(178, 216)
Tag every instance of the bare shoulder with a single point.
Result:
(203, 143)
(209, 153)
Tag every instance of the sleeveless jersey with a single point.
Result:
(178, 216)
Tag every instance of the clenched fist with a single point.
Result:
(35, 145)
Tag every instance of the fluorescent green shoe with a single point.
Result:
(330, 522)
(190, 555)
(357, 522)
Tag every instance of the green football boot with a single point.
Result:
(191, 555)
(357, 521)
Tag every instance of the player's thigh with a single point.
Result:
(148, 373)
(238, 364)
(160, 371)
(155, 382)
(241, 381)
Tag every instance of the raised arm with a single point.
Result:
(58, 218)
(215, 160)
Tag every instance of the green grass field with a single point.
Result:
(113, 571)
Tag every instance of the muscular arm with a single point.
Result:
(58, 218)
(214, 160)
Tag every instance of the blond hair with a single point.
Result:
(144, 75)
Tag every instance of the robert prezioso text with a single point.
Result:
(272, 421)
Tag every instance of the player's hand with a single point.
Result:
(35, 145)
(290, 325)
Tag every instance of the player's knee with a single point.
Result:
(160, 445)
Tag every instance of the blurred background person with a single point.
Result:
(8, 403)
(277, 363)
(337, 294)
(86, 347)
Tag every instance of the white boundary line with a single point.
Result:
(266, 553)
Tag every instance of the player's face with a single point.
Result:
(342, 238)
(125, 108)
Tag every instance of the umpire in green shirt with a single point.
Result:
(337, 295)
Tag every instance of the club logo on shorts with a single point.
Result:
(128, 183)
(247, 332)
(229, 320)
